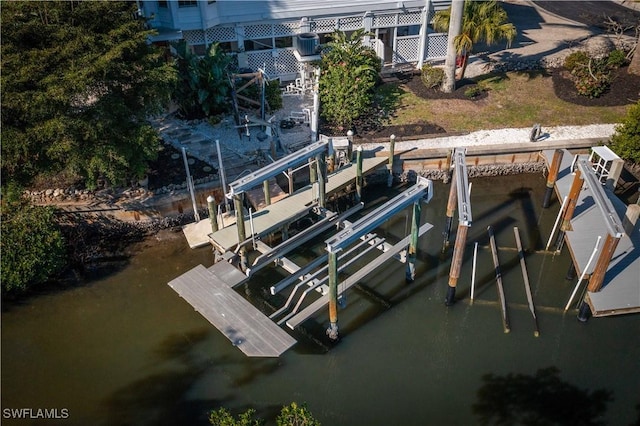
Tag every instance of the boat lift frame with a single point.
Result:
(421, 191)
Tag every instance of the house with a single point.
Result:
(261, 34)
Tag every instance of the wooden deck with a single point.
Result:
(318, 304)
(620, 293)
(291, 208)
(243, 324)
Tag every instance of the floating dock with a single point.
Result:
(210, 291)
(620, 292)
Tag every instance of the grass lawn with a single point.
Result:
(515, 99)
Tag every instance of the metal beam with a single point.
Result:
(290, 161)
(611, 219)
(422, 189)
(462, 186)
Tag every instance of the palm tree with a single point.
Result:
(482, 22)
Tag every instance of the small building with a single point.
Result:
(260, 34)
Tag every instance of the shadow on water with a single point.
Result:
(160, 398)
(541, 399)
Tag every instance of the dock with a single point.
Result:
(287, 210)
(620, 292)
(210, 291)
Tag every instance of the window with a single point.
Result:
(187, 3)
(228, 46)
(410, 30)
(283, 42)
(259, 44)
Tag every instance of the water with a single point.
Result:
(125, 349)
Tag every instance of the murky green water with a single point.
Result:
(125, 349)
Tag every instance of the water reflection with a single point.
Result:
(539, 399)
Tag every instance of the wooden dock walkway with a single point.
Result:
(291, 208)
(322, 301)
(210, 292)
(620, 292)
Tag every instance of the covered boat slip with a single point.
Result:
(620, 292)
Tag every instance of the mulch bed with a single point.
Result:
(624, 89)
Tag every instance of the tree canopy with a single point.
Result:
(348, 77)
(32, 247)
(79, 81)
(482, 22)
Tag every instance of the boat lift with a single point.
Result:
(460, 187)
(237, 188)
(421, 191)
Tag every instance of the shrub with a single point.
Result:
(473, 92)
(576, 60)
(273, 95)
(626, 140)
(616, 59)
(33, 249)
(593, 85)
(431, 76)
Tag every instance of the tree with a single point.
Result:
(203, 88)
(79, 81)
(626, 139)
(348, 77)
(32, 246)
(222, 417)
(482, 22)
(296, 415)
(290, 415)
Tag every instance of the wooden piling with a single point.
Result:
(496, 263)
(322, 179)
(392, 148)
(410, 274)
(267, 193)
(359, 173)
(451, 208)
(554, 168)
(525, 277)
(572, 201)
(456, 263)
(332, 331)
(213, 218)
(237, 203)
(597, 277)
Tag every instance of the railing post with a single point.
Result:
(359, 173)
(267, 193)
(392, 148)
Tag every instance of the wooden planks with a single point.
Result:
(242, 323)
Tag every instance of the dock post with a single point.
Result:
(350, 148)
(456, 263)
(237, 203)
(213, 218)
(496, 263)
(322, 176)
(332, 331)
(571, 272)
(597, 277)
(451, 208)
(410, 274)
(267, 192)
(392, 148)
(290, 180)
(313, 177)
(572, 200)
(553, 175)
(359, 173)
